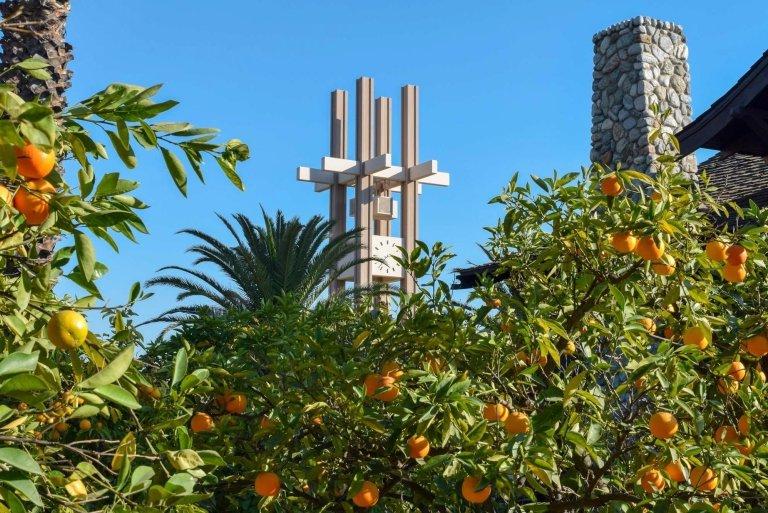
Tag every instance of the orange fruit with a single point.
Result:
(493, 303)
(236, 403)
(737, 371)
(570, 347)
(267, 484)
(663, 425)
(495, 412)
(648, 249)
(33, 163)
(648, 324)
(624, 242)
(61, 427)
(639, 383)
(675, 471)
(470, 492)
(418, 447)
(703, 478)
(371, 383)
(668, 332)
(517, 422)
(726, 434)
(368, 495)
(221, 399)
(695, 336)
(663, 269)
(746, 447)
(736, 255)
(656, 196)
(716, 250)
(391, 391)
(734, 273)
(727, 387)
(266, 423)
(6, 196)
(32, 201)
(610, 186)
(201, 422)
(392, 368)
(85, 425)
(757, 345)
(652, 481)
(67, 329)
(743, 424)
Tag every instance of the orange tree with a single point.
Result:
(615, 369)
(81, 427)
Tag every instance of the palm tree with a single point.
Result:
(282, 257)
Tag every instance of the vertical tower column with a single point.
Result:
(364, 182)
(339, 143)
(409, 222)
(638, 63)
(383, 145)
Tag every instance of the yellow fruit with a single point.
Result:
(648, 324)
(67, 329)
(624, 242)
(703, 479)
(716, 250)
(610, 186)
(649, 250)
(663, 425)
(470, 492)
(570, 347)
(727, 386)
(267, 484)
(495, 412)
(368, 495)
(418, 447)
(76, 489)
(734, 273)
(695, 336)
(517, 422)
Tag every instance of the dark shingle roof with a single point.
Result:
(738, 178)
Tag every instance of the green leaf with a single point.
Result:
(20, 459)
(21, 483)
(84, 411)
(179, 366)
(125, 152)
(229, 172)
(185, 459)
(113, 371)
(86, 254)
(141, 478)
(18, 362)
(176, 169)
(118, 395)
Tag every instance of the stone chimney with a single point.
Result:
(638, 63)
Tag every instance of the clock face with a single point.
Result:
(385, 248)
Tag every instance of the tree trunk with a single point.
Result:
(37, 27)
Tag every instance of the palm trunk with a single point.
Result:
(37, 27)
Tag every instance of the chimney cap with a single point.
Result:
(636, 22)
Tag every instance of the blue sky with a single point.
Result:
(505, 87)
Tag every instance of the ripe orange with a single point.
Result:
(716, 250)
(32, 201)
(624, 242)
(67, 329)
(743, 424)
(85, 425)
(649, 250)
(267, 484)
(61, 427)
(495, 412)
(648, 324)
(266, 423)
(517, 422)
(757, 345)
(392, 368)
(652, 481)
(33, 163)
(736, 255)
(663, 425)
(6, 196)
(236, 403)
(703, 478)
(746, 447)
(391, 391)
(493, 303)
(221, 399)
(726, 434)
(610, 186)
(201, 422)
(727, 386)
(371, 383)
(368, 495)
(695, 336)
(470, 492)
(669, 332)
(734, 273)
(737, 371)
(663, 269)
(675, 471)
(418, 447)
